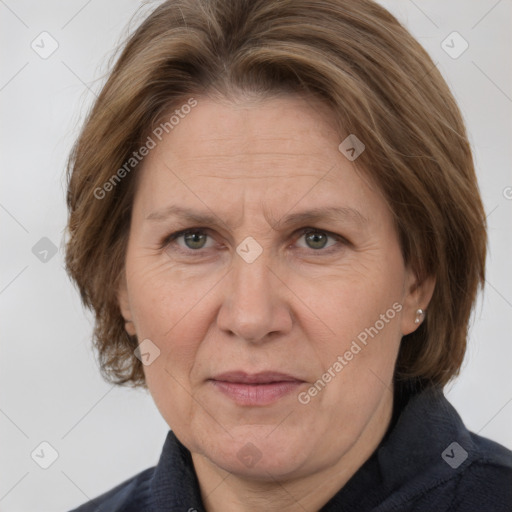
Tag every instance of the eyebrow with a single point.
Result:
(333, 214)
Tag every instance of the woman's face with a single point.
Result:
(315, 303)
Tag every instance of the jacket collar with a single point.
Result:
(412, 458)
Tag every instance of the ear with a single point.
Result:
(418, 293)
(125, 308)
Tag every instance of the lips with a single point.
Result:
(257, 389)
(256, 378)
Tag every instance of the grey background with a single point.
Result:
(50, 389)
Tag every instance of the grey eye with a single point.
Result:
(195, 239)
(316, 240)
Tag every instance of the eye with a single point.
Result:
(193, 239)
(196, 239)
(316, 239)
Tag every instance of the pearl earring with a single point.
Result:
(419, 316)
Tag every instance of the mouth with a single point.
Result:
(257, 389)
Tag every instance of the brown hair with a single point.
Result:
(380, 84)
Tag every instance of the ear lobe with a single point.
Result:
(125, 308)
(417, 297)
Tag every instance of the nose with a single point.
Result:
(254, 306)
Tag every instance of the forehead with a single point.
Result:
(234, 134)
(278, 150)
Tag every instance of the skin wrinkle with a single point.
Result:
(351, 222)
(367, 181)
(292, 310)
(244, 154)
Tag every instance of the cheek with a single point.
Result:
(165, 304)
(164, 296)
(362, 310)
(171, 309)
(350, 302)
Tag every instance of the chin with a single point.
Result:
(253, 452)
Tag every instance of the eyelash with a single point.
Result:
(307, 230)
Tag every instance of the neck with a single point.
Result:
(222, 491)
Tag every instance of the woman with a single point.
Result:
(275, 217)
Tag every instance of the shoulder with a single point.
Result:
(487, 481)
(481, 485)
(431, 461)
(472, 473)
(130, 496)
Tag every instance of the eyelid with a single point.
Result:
(296, 235)
(173, 236)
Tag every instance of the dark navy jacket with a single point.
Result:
(427, 462)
